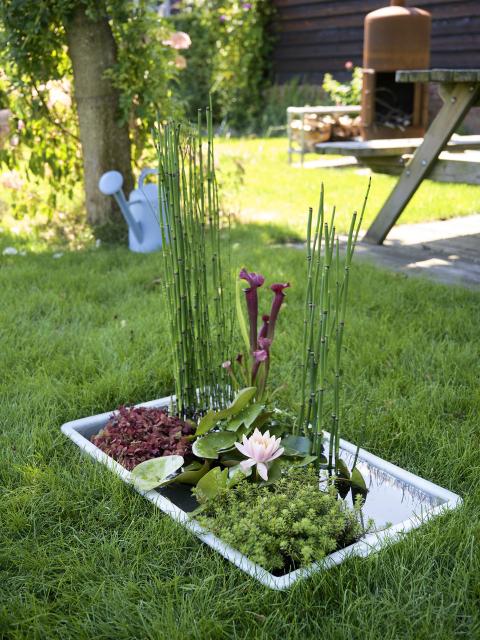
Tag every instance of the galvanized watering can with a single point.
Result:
(141, 212)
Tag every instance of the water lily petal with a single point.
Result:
(242, 448)
(246, 464)
(277, 454)
(262, 470)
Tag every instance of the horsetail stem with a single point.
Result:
(194, 285)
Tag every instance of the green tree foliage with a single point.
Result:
(230, 55)
(36, 81)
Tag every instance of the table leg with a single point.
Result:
(458, 99)
(289, 135)
(303, 138)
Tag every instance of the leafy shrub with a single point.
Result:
(230, 55)
(293, 93)
(36, 83)
(290, 522)
(346, 93)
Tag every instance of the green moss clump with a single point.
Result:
(292, 522)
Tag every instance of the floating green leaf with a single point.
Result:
(241, 400)
(342, 469)
(246, 417)
(357, 479)
(212, 418)
(152, 473)
(262, 419)
(212, 484)
(296, 445)
(274, 472)
(236, 474)
(304, 461)
(210, 445)
(193, 472)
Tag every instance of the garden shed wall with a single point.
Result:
(319, 36)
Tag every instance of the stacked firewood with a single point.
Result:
(323, 128)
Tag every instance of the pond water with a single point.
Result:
(389, 500)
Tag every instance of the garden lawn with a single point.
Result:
(261, 187)
(258, 186)
(83, 556)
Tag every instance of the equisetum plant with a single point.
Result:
(324, 324)
(199, 316)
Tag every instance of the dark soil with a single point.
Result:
(138, 434)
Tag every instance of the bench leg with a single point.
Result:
(457, 99)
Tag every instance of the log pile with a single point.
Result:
(323, 128)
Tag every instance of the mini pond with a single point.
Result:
(397, 501)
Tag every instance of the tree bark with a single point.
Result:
(105, 142)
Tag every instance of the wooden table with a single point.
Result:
(460, 91)
(459, 162)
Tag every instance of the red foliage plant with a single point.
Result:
(136, 434)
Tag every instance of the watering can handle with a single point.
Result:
(144, 174)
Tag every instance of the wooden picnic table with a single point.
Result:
(460, 91)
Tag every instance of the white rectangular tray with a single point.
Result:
(80, 431)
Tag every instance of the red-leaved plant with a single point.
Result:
(137, 434)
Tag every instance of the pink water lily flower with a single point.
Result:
(260, 449)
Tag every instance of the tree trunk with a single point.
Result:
(105, 143)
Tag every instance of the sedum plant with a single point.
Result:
(289, 523)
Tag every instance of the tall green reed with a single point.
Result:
(324, 326)
(198, 307)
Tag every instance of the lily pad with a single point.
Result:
(241, 400)
(210, 445)
(193, 472)
(357, 479)
(212, 418)
(274, 473)
(304, 461)
(212, 484)
(296, 445)
(246, 417)
(236, 474)
(155, 472)
(342, 469)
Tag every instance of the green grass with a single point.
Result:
(83, 556)
(258, 186)
(268, 190)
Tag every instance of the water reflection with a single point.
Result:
(389, 499)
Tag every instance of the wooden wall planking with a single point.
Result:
(319, 36)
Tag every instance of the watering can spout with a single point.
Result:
(110, 184)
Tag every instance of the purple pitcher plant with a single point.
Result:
(260, 340)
